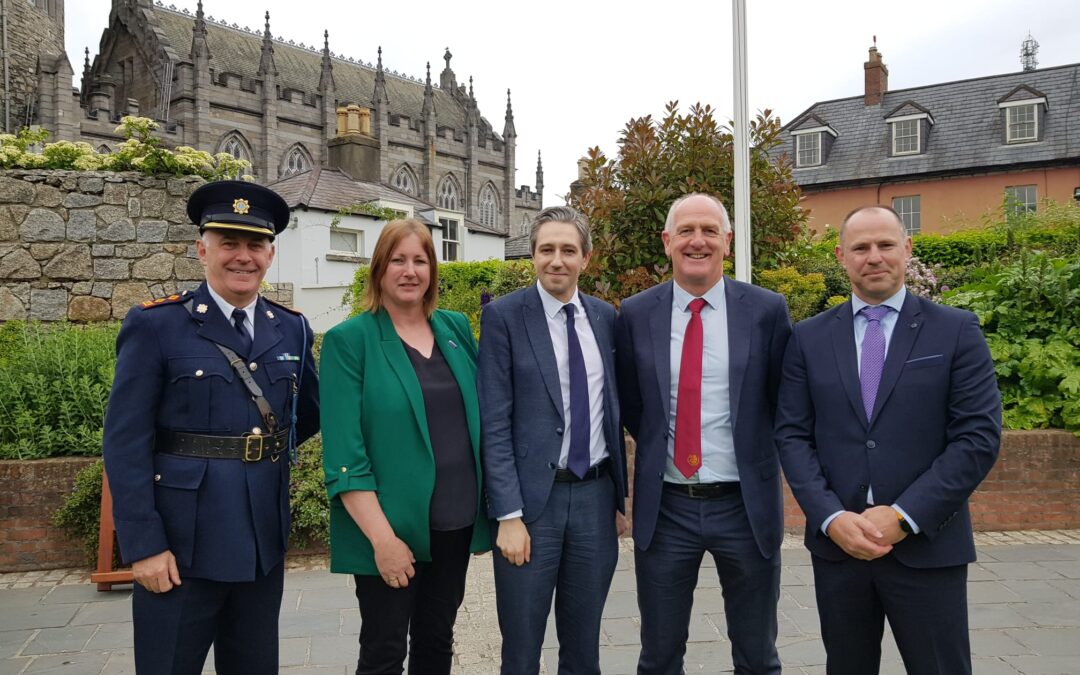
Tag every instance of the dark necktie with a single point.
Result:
(688, 408)
(873, 355)
(239, 316)
(580, 425)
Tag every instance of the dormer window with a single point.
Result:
(1023, 108)
(808, 149)
(909, 126)
(813, 139)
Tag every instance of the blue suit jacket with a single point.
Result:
(934, 436)
(217, 516)
(521, 399)
(758, 331)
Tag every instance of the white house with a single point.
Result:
(323, 245)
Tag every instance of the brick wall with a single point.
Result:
(1035, 485)
(30, 491)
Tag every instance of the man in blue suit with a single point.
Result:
(213, 391)
(699, 365)
(889, 418)
(552, 450)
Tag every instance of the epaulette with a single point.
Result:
(168, 300)
(290, 310)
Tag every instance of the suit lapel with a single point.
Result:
(215, 326)
(740, 324)
(536, 327)
(395, 354)
(660, 332)
(464, 373)
(902, 340)
(843, 340)
(266, 329)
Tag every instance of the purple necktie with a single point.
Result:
(873, 355)
(580, 426)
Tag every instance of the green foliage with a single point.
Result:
(804, 292)
(462, 285)
(141, 151)
(367, 209)
(54, 387)
(626, 199)
(80, 513)
(1030, 313)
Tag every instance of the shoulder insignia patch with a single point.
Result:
(169, 300)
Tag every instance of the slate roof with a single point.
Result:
(234, 50)
(517, 247)
(968, 134)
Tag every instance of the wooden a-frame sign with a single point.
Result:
(105, 576)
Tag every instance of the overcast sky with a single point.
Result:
(580, 70)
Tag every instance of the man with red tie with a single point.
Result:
(699, 362)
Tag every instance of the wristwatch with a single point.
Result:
(904, 524)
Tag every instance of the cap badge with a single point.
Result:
(201, 309)
(241, 206)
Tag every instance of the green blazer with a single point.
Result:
(375, 432)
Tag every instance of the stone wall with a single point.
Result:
(30, 32)
(88, 246)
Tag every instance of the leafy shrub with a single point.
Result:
(81, 511)
(54, 387)
(1030, 313)
(922, 280)
(804, 293)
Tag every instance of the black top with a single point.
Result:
(453, 505)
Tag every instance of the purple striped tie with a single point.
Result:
(873, 355)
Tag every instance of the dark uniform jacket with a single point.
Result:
(223, 519)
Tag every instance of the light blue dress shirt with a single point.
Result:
(717, 442)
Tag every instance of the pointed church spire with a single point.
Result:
(508, 128)
(380, 96)
(266, 59)
(539, 174)
(199, 46)
(472, 116)
(429, 94)
(447, 79)
(326, 77)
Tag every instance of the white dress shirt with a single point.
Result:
(227, 310)
(717, 441)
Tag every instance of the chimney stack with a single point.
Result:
(354, 150)
(876, 77)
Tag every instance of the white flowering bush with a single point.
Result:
(924, 280)
(141, 151)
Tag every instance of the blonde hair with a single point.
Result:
(392, 235)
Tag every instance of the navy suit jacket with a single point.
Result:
(219, 517)
(758, 331)
(935, 430)
(521, 402)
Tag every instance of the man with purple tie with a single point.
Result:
(552, 449)
(889, 418)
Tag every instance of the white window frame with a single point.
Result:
(451, 246)
(1012, 124)
(1015, 205)
(916, 122)
(814, 152)
(910, 209)
(358, 236)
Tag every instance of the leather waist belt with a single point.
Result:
(249, 448)
(704, 490)
(594, 472)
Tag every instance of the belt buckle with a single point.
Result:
(249, 441)
(691, 491)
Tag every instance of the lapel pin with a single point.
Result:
(452, 344)
(201, 309)
(915, 324)
(269, 314)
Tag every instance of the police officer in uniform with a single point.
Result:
(213, 391)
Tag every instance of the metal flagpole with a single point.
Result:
(742, 142)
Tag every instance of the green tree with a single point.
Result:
(626, 199)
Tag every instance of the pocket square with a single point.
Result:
(922, 361)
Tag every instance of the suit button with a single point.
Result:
(344, 470)
(199, 373)
(558, 430)
(253, 366)
(157, 477)
(871, 444)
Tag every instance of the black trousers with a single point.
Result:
(418, 619)
(174, 630)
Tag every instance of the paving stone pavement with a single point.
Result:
(1024, 597)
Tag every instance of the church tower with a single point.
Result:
(35, 32)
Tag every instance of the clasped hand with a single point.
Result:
(867, 535)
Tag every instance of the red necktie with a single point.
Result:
(688, 408)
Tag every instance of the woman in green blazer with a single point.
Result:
(401, 455)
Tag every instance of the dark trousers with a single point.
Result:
(174, 630)
(667, 573)
(418, 619)
(574, 551)
(926, 608)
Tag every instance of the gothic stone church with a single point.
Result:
(225, 88)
